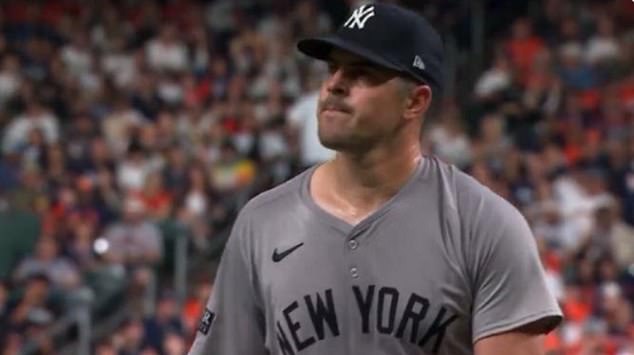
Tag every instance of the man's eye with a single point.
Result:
(332, 68)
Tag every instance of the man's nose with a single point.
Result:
(338, 83)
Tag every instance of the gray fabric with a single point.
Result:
(442, 264)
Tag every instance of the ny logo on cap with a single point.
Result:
(359, 17)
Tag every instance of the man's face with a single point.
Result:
(360, 104)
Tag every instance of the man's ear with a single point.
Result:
(418, 102)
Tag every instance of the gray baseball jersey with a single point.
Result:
(441, 265)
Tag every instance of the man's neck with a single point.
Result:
(372, 178)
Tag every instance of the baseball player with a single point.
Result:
(380, 250)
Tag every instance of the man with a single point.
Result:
(380, 250)
(134, 241)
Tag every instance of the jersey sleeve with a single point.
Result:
(232, 322)
(509, 283)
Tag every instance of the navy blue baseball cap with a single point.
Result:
(389, 36)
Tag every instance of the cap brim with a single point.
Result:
(321, 48)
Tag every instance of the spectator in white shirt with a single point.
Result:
(36, 116)
(495, 79)
(167, 51)
(10, 78)
(448, 138)
(119, 123)
(133, 170)
(302, 116)
(603, 46)
(76, 55)
(119, 64)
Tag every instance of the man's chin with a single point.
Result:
(334, 143)
(340, 143)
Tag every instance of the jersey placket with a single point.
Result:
(356, 274)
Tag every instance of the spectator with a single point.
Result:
(523, 47)
(195, 305)
(133, 169)
(48, 261)
(81, 245)
(76, 55)
(9, 170)
(613, 236)
(231, 171)
(13, 344)
(175, 171)
(118, 63)
(577, 204)
(10, 78)
(117, 126)
(105, 348)
(167, 52)
(492, 141)
(174, 344)
(494, 80)
(303, 118)
(165, 323)
(35, 307)
(156, 198)
(134, 241)
(449, 139)
(130, 338)
(275, 151)
(136, 244)
(196, 202)
(80, 136)
(575, 74)
(36, 116)
(603, 46)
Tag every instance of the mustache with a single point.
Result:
(334, 103)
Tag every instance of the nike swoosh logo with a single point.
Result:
(277, 257)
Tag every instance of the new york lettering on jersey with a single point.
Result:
(384, 310)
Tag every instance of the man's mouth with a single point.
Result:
(334, 105)
(333, 109)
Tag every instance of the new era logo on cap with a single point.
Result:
(418, 63)
(359, 17)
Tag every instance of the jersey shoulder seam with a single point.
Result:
(276, 193)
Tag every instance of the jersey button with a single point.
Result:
(353, 244)
(354, 272)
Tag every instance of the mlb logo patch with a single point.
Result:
(206, 321)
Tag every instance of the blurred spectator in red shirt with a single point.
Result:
(523, 47)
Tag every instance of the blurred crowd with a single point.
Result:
(129, 124)
(549, 125)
